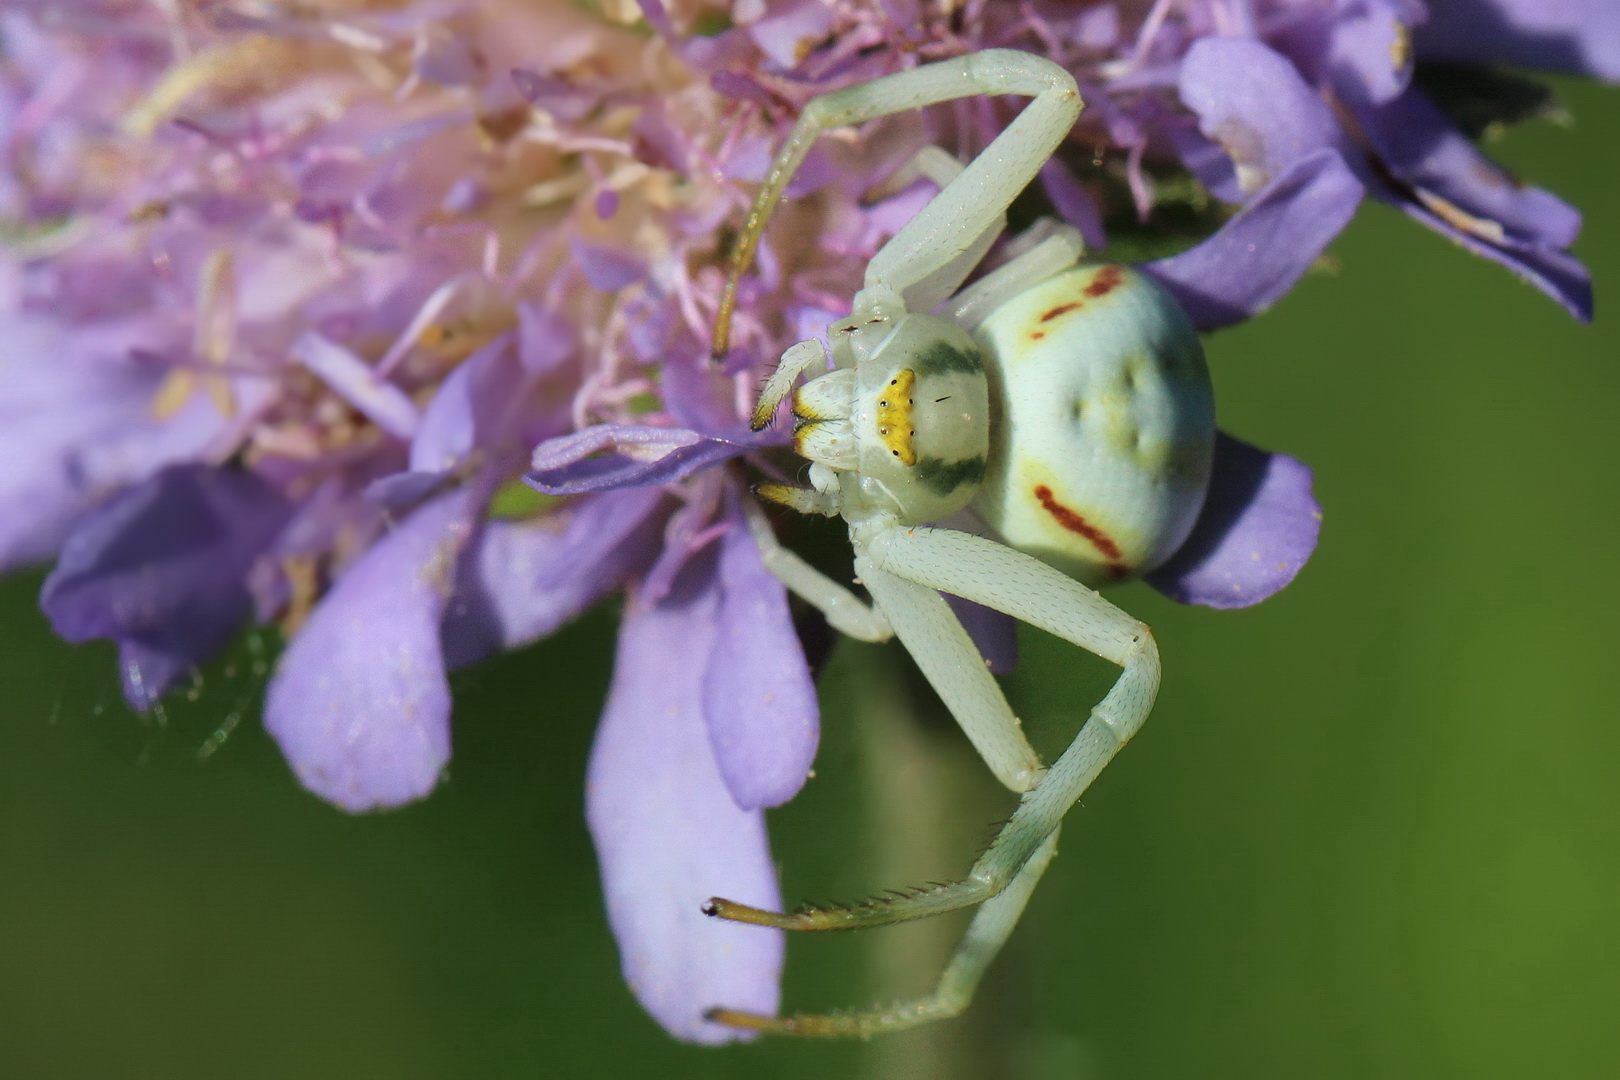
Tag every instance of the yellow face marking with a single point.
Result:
(894, 417)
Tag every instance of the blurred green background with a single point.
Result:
(1370, 831)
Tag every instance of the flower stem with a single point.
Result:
(929, 801)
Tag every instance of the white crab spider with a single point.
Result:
(1067, 404)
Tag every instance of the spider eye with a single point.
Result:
(894, 422)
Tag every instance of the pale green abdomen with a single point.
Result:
(1102, 423)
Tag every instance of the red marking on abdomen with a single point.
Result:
(1077, 524)
(1036, 335)
(1105, 281)
(1061, 309)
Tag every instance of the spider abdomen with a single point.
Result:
(1103, 423)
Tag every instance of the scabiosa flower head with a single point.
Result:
(292, 291)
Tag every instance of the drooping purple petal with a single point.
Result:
(521, 580)
(1252, 101)
(1581, 37)
(161, 568)
(359, 701)
(1416, 140)
(764, 723)
(994, 632)
(1431, 170)
(1256, 257)
(637, 456)
(1258, 527)
(668, 835)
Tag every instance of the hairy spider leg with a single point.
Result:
(903, 567)
(922, 560)
(991, 926)
(932, 248)
(1045, 259)
(843, 610)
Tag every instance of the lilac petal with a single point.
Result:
(757, 692)
(689, 530)
(653, 11)
(544, 339)
(356, 382)
(1581, 37)
(399, 490)
(1432, 172)
(694, 391)
(1258, 527)
(448, 60)
(1207, 160)
(752, 158)
(161, 568)
(1074, 203)
(788, 34)
(359, 701)
(668, 835)
(640, 441)
(521, 580)
(1253, 102)
(567, 465)
(75, 425)
(561, 98)
(736, 84)
(1370, 56)
(1418, 142)
(471, 408)
(994, 632)
(607, 269)
(1097, 27)
(1261, 252)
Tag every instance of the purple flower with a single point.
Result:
(292, 292)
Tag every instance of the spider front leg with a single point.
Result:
(933, 253)
(1022, 586)
(955, 668)
(842, 609)
(898, 562)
